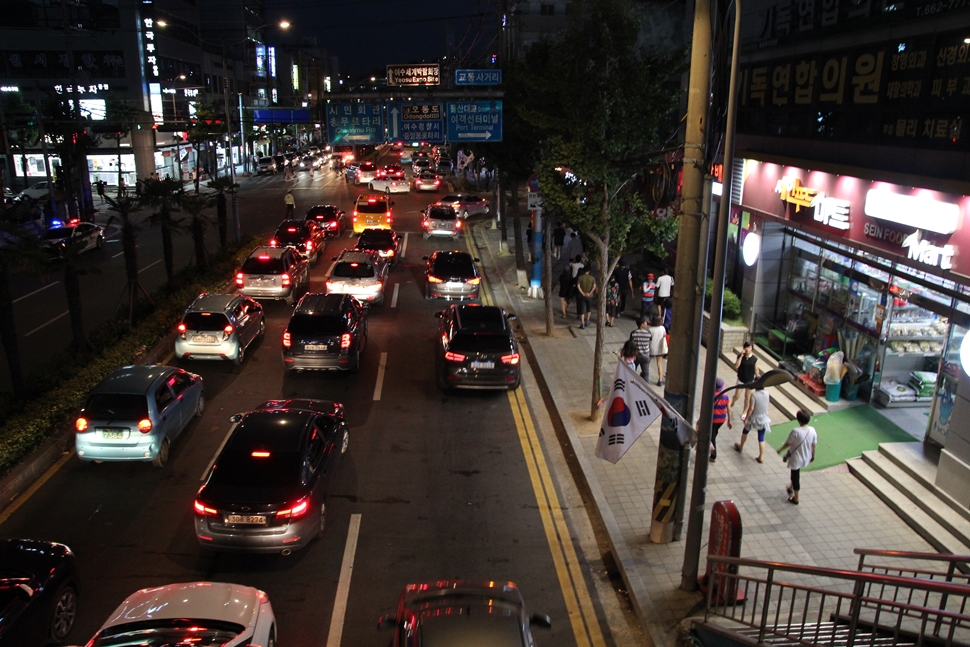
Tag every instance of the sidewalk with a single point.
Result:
(837, 512)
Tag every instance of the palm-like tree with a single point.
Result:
(194, 205)
(73, 266)
(163, 197)
(222, 185)
(18, 252)
(125, 208)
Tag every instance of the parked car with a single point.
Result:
(219, 327)
(327, 332)
(386, 242)
(440, 220)
(451, 275)
(305, 236)
(330, 218)
(462, 613)
(427, 181)
(278, 273)
(466, 204)
(190, 613)
(360, 273)
(136, 413)
(266, 165)
(266, 491)
(366, 172)
(36, 191)
(477, 348)
(39, 589)
(372, 211)
(82, 237)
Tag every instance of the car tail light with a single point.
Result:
(203, 510)
(309, 246)
(287, 339)
(345, 340)
(510, 359)
(181, 329)
(285, 278)
(291, 230)
(227, 331)
(474, 281)
(273, 242)
(454, 357)
(81, 425)
(144, 425)
(355, 216)
(437, 182)
(458, 224)
(239, 279)
(295, 511)
(389, 253)
(434, 279)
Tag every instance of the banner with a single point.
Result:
(631, 409)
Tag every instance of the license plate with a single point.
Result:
(455, 284)
(316, 347)
(113, 435)
(250, 519)
(204, 339)
(482, 365)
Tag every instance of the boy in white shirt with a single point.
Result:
(801, 445)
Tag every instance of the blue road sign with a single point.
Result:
(478, 77)
(278, 116)
(474, 121)
(414, 122)
(355, 123)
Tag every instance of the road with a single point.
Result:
(433, 486)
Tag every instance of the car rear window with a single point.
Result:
(321, 214)
(454, 265)
(292, 230)
(59, 232)
(481, 343)
(205, 321)
(442, 214)
(281, 469)
(344, 270)
(376, 236)
(263, 264)
(331, 325)
(116, 406)
(379, 206)
(163, 631)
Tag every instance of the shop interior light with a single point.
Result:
(965, 353)
(751, 248)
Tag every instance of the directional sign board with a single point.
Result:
(350, 122)
(425, 74)
(474, 121)
(281, 116)
(414, 122)
(478, 77)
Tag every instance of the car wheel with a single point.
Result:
(162, 457)
(464, 215)
(99, 242)
(262, 329)
(63, 612)
(323, 520)
(240, 356)
(200, 407)
(271, 641)
(355, 363)
(370, 186)
(442, 383)
(425, 235)
(427, 292)
(345, 443)
(387, 190)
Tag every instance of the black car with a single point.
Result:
(327, 332)
(451, 275)
(38, 592)
(386, 242)
(476, 348)
(305, 236)
(266, 492)
(331, 219)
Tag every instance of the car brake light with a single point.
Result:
(355, 216)
(434, 279)
(239, 279)
(287, 339)
(372, 201)
(454, 357)
(510, 359)
(437, 182)
(181, 329)
(458, 224)
(285, 278)
(260, 454)
(345, 340)
(474, 281)
(272, 243)
(390, 252)
(309, 246)
(227, 331)
(81, 424)
(144, 425)
(203, 510)
(291, 230)
(296, 511)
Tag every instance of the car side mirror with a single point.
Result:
(540, 620)
(236, 417)
(387, 622)
(478, 260)
(424, 258)
(512, 317)
(439, 314)
(333, 258)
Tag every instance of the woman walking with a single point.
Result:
(756, 417)
(612, 300)
(565, 289)
(658, 346)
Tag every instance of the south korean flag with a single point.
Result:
(631, 409)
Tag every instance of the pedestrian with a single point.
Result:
(745, 366)
(721, 414)
(565, 289)
(665, 286)
(576, 265)
(101, 189)
(287, 171)
(573, 246)
(585, 288)
(625, 279)
(612, 300)
(668, 314)
(311, 168)
(641, 337)
(558, 238)
(648, 289)
(756, 417)
(629, 354)
(122, 189)
(290, 204)
(801, 445)
(658, 346)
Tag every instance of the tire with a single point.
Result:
(323, 520)
(354, 367)
(262, 329)
(345, 442)
(290, 300)
(200, 407)
(271, 641)
(442, 383)
(63, 613)
(162, 457)
(370, 186)
(99, 243)
(425, 236)
(387, 190)
(240, 356)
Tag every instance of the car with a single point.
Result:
(427, 181)
(273, 273)
(191, 613)
(405, 155)
(350, 171)
(386, 242)
(420, 154)
(266, 165)
(360, 273)
(366, 172)
(451, 275)
(82, 237)
(266, 491)
(136, 413)
(444, 168)
(36, 191)
(219, 327)
(390, 185)
(327, 332)
(466, 204)
(305, 236)
(421, 164)
(372, 211)
(462, 612)
(330, 218)
(391, 170)
(477, 348)
(39, 590)
(440, 220)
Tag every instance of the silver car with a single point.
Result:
(266, 165)
(219, 327)
(466, 204)
(274, 273)
(427, 181)
(451, 275)
(440, 220)
(362, 274)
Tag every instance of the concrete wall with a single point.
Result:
(760, 293)
(731, 336)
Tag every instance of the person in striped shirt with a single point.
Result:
(721, 415)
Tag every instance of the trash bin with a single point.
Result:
(850, 391)
(832, 391)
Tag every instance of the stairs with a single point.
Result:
(788, 398)
(831, 634)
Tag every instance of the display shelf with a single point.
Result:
(917, 338)
(904, 354)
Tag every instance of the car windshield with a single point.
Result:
(330, 325)
(265, 160)
(58, 232)
(454, 265)
(263, 264)
(323, 213)
(169, 633)
(346, 270)
(116, 406)
(439, 213)
(205, 321)
(292, 230)
(367, 166)
(377, 206)
(477, 342)
(425, 175)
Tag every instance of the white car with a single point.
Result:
(361, 273)
(205, 613)
(390, 185)
(36, 192)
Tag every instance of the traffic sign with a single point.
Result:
(535, 200)
(355, 123)
(534, 183)
(277, 116)
(474, 121)
(413, 122)
(425, 74)
(478, 77)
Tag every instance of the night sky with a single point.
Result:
(367, 35)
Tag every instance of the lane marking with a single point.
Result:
(379, 386)
(149, 265)
(404, 245)
(397, 288)
(30, 294)
(39, 483)
(118, 254)
(343, 584)
(218, 451)
(44, 325)
(484, 292)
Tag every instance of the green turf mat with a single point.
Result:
(843, 434)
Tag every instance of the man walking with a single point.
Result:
(290, 204)
(625, 278)
(558, 238)
(801, 445)
(641, 337)
(665, 286)
(745, 366)
(647, 292)
(585, 288)
(756, 417)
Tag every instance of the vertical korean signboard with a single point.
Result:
(150, 54)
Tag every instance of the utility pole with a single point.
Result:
(672, 460)
(236, 234)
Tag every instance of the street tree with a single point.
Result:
(207, 126)
(195, 206)
(163, 196)
(72, 265)
(72, 142)
(222, 185)
(120, 118)
(20, 123)
(19, 252)
(601, 105)
(123, 209)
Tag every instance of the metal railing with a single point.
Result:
(835, 607)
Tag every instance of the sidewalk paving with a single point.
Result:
(837, 512)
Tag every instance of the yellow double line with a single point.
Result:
(579, 604)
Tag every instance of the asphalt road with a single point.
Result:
(441, 483)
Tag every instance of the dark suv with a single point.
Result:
(451, 275)
(305, 236)
(330, 218)
(327, 332)
(476, 348)
(386, 242)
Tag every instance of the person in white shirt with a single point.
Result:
(801, 445)
(756, 417)
(665, 286)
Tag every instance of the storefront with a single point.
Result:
(869, 268)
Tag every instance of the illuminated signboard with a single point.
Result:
(151, 60)
(913, 211)
(828, 211)
(272, 61)
(260, 60)
(295, 76)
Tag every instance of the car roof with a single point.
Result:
(203, 600)
(372, 196)
(482, 318)
(272, 252)
(441, 253)
(323, 208)
(451, 197)
(357, 256)
(213, 302)
(377, 232)
(278, 430)
(316, 303)
(132, 379)
(504, 590)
